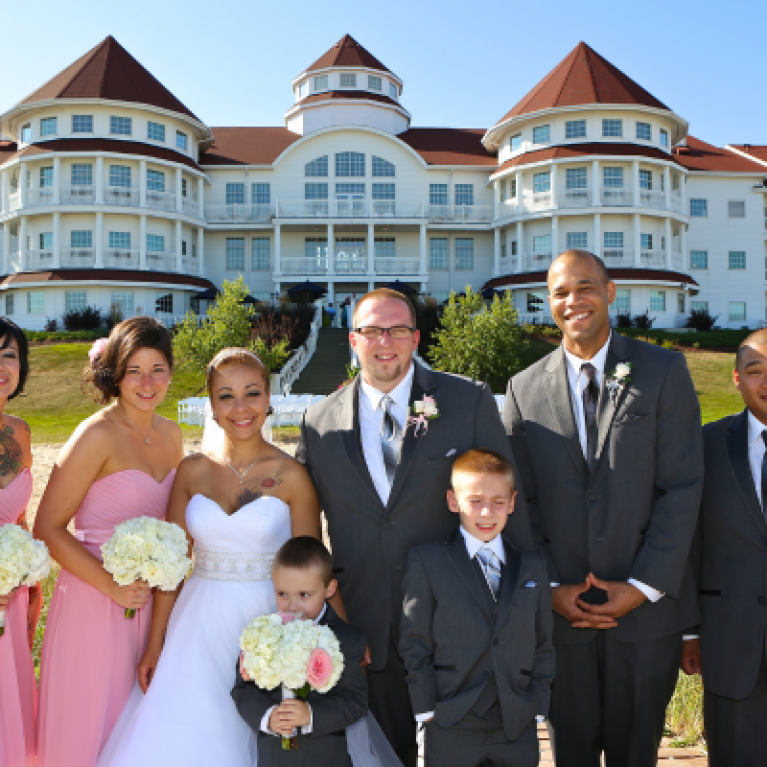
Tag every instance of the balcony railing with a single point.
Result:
(120, 258)
(676, 202)
(535, 261)
(575, 198)
(161, 262)
(618, 257)
(352, 260)
(121, 195)
(653, 259)
(39, 197)
(397, 265)
(190, 206)
(190, 264)
(78, 257)
(78, 194)
(649, 198)
(511, 207)
(459, 214)
(39, 259)
(395, 209)
(312, 265)
(14, 200)
(14, 262)
(225, 213)
(617, 195)
(160, 200)
(539, 200)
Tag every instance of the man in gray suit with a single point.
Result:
(731, 565)
(382, 483)
(606, 433)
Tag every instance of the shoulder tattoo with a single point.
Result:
(11, 454)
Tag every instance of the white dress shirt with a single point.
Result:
(577, 381)
(756, 450)
(371, 416)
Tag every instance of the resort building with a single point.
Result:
(114, 194)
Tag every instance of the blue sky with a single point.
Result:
(463, 64)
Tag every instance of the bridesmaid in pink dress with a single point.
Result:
(118, 464)
(18, 689)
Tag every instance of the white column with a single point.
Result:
(6, 247)
(554, 188)
(496, 195)
(667, 237)
(200, 190)
(142, 183)
(56, 180)
(496, 251)
(278, 249)
(683, 243)
(596, 182)
(520, 241)
(56, 240)
(3, 191)
(23, 242)
(332, 295)
(683, 192)
(635, 181)
(179, 257)
(637, 240)
(99, 179)
(371, 248)
(371, 285)
(23, 185)
(422, 250)
(99, 241)
(518, 183)
(142, 263)
(596, 245)
(554, 236)
(201, 249)
(179, 199)
(666, 188)
(331, 250)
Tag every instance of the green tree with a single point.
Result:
(479, 341)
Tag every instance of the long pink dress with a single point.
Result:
(91, 650)
(18, 690)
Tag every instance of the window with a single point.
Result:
(737, 311)
(393, 91)
(46, 177)
(644, 131)
(183, 247)
(737, 259)
(513, 188)
(119, 240)
(577, 240)
(9, 308)
(384, 192)
(464, 194)
(184, 188)
(235, 193)
(645, 179)
(82, 123)
(516, 142)
(75, 300)
(613, 241)
(657, 300)
(46, 240)
(155, 131)
(575, 129)
(163, 302)
(347, 188)
(48, 126)
(122, 302)
(622, 303)
(155, 243)
(680, 303)
(464, 254)
(155, 181)
(316, 191)
(120, 126)
(542, 245)
(542, 182)
(575, 178)
(235, 254)
(181, 141)
(612, 128)
(382, 167)
(261, 193)
(321, 83)
(664, 138)
(438, 254)
(698, 208)
(350, 164)
(698, 306)
(260, 259)
(82, 174)
(536, 301)
(316, 247)
(384, 247)
(317, 168)
(612, 177)
(348, 80)
(35, 302)
(119, 175)
(646, 241)
(81, 238)
(302, 89)
(542, 134)
(698, 259)
(736, 208)
(513, 248)
(374, 83)
(26, 133)
(438, 194)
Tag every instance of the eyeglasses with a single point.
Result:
(396, 333)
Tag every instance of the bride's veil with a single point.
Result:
(213, 435)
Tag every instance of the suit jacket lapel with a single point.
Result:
(618, 351)
(455, 551)
(558, 392)
(737, 450)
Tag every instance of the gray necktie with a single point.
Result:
(391, 444)
(764, 475)
(590, 397)
(491, 566)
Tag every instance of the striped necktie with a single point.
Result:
(491, 566)
(391, 444)
(590, 398)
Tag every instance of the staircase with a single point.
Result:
(326, 370)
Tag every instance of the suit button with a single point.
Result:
(496, 642)
(761, 601)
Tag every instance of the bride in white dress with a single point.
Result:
(238, 507)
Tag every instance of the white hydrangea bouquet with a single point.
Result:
(23, 562)
(147, 549)
(298, 654)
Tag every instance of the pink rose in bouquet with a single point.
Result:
(319, 669)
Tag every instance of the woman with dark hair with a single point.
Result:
(119, 464)
(18, 690)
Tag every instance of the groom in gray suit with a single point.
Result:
(382, 483)
(606, 433)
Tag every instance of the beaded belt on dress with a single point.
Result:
(228, 566)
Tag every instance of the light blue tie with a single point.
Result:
(491, 566)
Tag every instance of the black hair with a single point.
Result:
(10, 331)
(303, 552)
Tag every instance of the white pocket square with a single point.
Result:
(530, 585)
(450, 452)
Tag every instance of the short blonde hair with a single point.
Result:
(480, 461)
(384, 293)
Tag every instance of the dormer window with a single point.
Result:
(302, 89)
(82, 123)
(155, 132)
(644, 131)
(664, 138)
(575, 129)
(542, 134)
(612, 128)
(120, 126)
(374, 83)
(48, 126)
(181, 141)
(393, 91)
(26, 133)
(321, 83)
(348, 80)
(516, 142)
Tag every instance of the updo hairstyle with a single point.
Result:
(106, 371)
(10, 331)
(235, 355)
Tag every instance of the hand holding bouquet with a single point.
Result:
(148, 549)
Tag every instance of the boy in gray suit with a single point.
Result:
(476, 634)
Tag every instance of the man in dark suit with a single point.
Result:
(606, 433)
(382, 482)
(731, 565)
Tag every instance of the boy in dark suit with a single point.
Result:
(303, 580)
(477, 629)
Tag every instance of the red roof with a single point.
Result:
(7, 150)
(758, 152)
(107, 275)
(449, 146)
(583, 77)
(649, 275)
(586, 149)
(698, 155)
(343, 95)
(347, 52)
(247, 146)
(108, 72)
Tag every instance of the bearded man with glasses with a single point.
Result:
(380, 453)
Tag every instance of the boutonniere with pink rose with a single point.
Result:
(424, 410)
(618, 379)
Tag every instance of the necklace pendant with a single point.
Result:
(146, 440)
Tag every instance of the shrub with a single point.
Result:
(427, 314)
(701, 320)
(51, 325)
(667, 343)
(83, 319)
(644, 321)
(623, 320)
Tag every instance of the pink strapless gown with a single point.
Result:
(18, 690)
(91, 650)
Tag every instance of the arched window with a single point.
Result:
(382, 167)
(350, 164)
(318, 167)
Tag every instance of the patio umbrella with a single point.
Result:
(248, 300)
(402, 287)
(490, 293)
(209, 294)
(308, 287)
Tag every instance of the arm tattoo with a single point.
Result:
(11, 454)
(254, 489)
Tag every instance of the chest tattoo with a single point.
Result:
(253, 489)
(11, 454)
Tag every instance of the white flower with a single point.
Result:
(622, 370)
(23, 560)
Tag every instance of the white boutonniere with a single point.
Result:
(619, 379)
(424, 410)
